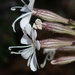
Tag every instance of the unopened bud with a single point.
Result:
(52, 17)
(54, 43)
(63, 60)
(67, 48)
(50, 46)
(58, 28)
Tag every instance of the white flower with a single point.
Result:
(25, 17)
(28, 51)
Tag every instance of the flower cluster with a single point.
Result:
(49, 46)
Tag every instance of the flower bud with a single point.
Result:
(50, 46)
(52, 17)
(54, 43)
(58, 28)
(71, 22)
(63, 60)
(67, 48)
(49, 16)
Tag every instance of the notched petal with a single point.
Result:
(25, 20)
(33, 34)
(28, 29)
(13, 24)
(27, 53)
(25, 40)
(31, 4)
(37, 44)
(33, 63)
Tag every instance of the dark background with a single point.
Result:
(15, 64)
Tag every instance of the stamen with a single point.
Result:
(15, 7)
(18, 47)
(44, 63)
(23, 1)
(23, 15)
(50, 55)
(15, 53)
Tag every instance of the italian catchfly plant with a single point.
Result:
(29, 43)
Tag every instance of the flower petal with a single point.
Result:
(22, 16)
(28, 29)
(28, 63)
(33, 34)
(25, 40)
(37, 44)
(31, 4)
(33, 63)
(27, 53)
(25, 9)
(25, 20)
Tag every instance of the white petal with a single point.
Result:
(23, 15)
(27, 53)
(33, 34)
(25, 20)
(33, 63)
(28, 63)
(31, 4)
(28, 29)
(25, 40)
(25, 9)
(37, 44)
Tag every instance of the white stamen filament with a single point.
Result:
(50, 55)
(19, 47)
(15, 7)
(23, 1)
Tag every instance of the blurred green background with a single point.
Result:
(15, 64)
